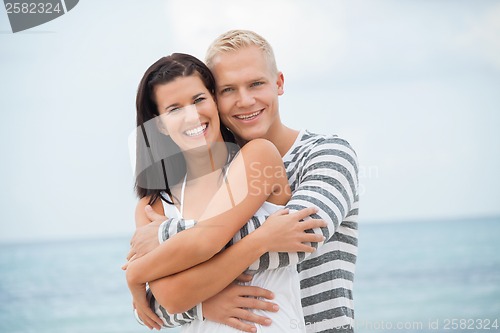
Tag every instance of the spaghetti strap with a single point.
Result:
(183, 188)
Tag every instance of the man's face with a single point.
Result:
(247, 93)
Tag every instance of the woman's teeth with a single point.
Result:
(196, 131)
(248, 116)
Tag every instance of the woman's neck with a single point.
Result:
(206, 159)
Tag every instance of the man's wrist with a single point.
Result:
(161, 232)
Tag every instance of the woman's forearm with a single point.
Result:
(190, 247)
(180, 252)
(182, 291)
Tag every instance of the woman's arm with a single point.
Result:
(138, 291)
(250, 186)
(175, 292)
(141, 218)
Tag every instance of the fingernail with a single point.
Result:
(276, 307)
(268, 321)
(253, 329)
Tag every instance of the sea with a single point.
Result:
(420, 276)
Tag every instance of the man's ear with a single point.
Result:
(280, 82)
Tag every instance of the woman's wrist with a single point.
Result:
(259, 241)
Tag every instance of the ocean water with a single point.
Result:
(433, 276)
(411, 277)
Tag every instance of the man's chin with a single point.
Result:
(247, 134)
(248, 138)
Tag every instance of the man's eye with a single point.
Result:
(226, 90)
(257, 83)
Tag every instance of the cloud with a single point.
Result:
(307, 39)
(483, 37)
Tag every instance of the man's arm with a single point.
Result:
(171, 298)
(175, 292)
(328, 181)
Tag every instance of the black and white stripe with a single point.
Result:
(322, 172)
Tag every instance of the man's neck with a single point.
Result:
(282, 137)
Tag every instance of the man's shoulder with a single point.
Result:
(310, 140)
(313, 147)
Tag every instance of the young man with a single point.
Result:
(322, 172)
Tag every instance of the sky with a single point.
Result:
(412, 85)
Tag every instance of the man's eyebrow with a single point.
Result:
(260, 78)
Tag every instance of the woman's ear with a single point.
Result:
(160, 124)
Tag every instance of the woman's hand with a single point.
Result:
(140, 303)
(145, 238)
(284, 232)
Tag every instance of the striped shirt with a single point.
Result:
(322, 171)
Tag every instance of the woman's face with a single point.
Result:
(188, 112)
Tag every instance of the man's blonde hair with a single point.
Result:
(234, 40)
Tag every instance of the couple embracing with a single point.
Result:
(243, 224)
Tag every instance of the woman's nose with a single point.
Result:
(191, 114)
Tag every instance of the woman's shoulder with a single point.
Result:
(257, 155)
(259, 147)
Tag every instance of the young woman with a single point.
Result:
(188, 167)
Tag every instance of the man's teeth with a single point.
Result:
(196, 131)
(248, 116)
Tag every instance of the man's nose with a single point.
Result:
(245, 99)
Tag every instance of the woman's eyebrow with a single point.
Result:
(173, 105)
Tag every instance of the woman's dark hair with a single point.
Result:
(157, 155)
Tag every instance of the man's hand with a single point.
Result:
(145, 238)
(232, 305)
(285, 232)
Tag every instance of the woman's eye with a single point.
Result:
(173, 110)
(199, 100)
(226, 90)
